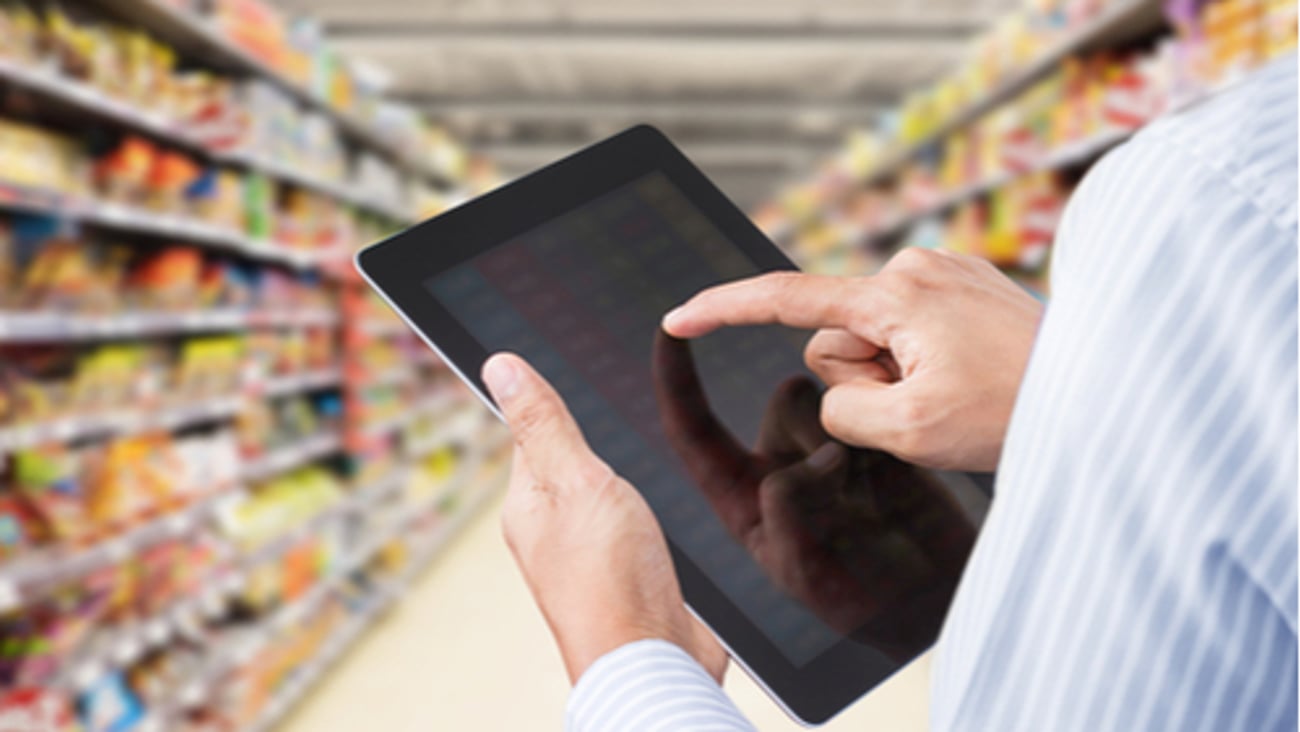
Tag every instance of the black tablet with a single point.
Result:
(821, 577)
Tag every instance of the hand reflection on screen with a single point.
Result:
(873, 546)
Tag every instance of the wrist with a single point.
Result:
(583, 645)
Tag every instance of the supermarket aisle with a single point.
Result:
(467, 651)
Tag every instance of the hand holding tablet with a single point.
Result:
(573, 267)
(570, 521)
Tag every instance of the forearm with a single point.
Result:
(650, 685)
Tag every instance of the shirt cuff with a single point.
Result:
(649, 686)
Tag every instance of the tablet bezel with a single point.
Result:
(812, 693)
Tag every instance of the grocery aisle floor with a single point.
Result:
(466, 650)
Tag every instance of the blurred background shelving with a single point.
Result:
(982, 160)
(211, 487)
(225, 461)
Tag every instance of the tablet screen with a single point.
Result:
(716, 433)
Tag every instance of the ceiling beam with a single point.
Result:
(384, 42)
(747, 155)
(366, 25)
(676, 109)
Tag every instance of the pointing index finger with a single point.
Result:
(790, 298)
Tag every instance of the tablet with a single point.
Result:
(822, 577)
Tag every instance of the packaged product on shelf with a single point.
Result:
(60, 273)
(49, 480)
(17, 523)
(207, 463)
(111, 706)
(431, 474)
(122, 174)
(170, 178)
(20, 33)
(278, 505)
(136, 478)
(75, 496)
(39, 158)
(40, 708)
(259, 206)
(207, 367)
(209, 108)
(1280, 23)
(309, 221)
(257, 28)
(156, 677)
(108, 377)
(279, 661)
(444, 154)
(276, 290)
(378, 180)
(168, 279)
(36, 384)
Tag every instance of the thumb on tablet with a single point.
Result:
(547, 435)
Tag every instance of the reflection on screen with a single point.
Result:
(581, 297)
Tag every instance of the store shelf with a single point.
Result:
(35, 575)
(241, 649)
(292, 456)
(123, 645)
(400, 374)
(338, 190)
(331, 652)
(201, 39)
(423, 555)
(48, 326)
(382, 327)
(165, 417)
(58, 91)
(131, 220)
(1068, 156)
(119, 422)
(32, 576)
(426, 407)
(1118, 23)
(455, 428)
(279, 386)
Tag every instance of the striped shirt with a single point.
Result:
(1138, 568)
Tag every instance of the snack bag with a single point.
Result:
(17, 524)
(123, 174)
(169, 279)
(110, 706)
(48, 479)
(170, 178)
(36, 708)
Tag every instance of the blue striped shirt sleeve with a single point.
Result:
(1138, 570)
(650, 686)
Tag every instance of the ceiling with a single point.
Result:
(754, 90)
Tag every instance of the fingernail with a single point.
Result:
(502, 377)
(671, 317)
(827, 456)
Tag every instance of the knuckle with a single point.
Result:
(834, 410)
(900, 286)
(777, 284)
(913, 418)
(914, 258)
